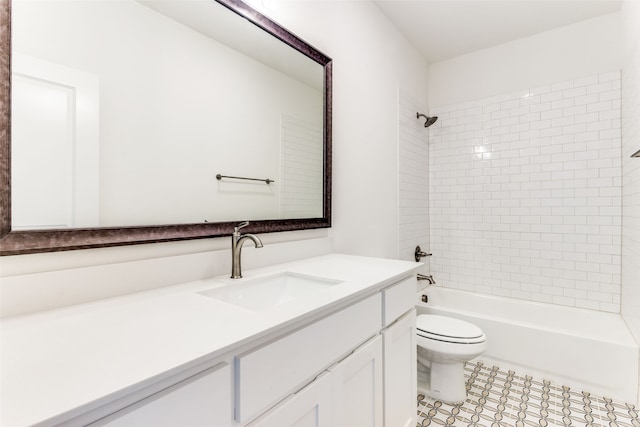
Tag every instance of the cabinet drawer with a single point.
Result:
(266, 375)
(199, 401)
(398, 299)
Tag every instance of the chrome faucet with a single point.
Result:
(428, 278)
(237, 240)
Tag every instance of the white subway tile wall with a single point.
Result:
(413, 179)
(631, 192)
(525, 194)
(301, 169)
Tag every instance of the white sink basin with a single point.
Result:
(267, 292)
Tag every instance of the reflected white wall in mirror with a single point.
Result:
(175, 108)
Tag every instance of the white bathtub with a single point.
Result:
(584, 349)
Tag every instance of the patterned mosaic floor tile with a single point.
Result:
(497, 398)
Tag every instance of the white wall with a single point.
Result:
(413, 161)
(371, 60)
(579, 50)
(630, 13)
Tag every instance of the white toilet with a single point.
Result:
(444, 344)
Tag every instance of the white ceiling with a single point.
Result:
(442, 29)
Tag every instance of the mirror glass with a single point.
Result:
(124, 112)
(130, 116)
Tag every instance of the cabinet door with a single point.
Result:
(400, 372)
(310, 407)
(357, 387)
(200, 401)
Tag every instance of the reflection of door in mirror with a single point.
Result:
(54, 132)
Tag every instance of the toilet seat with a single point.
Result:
(447, 329)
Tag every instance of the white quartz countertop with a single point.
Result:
(58, 364)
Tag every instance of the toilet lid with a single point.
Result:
(448, 329)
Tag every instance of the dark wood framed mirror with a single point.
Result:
(16, 240)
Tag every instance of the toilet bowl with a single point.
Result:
(445, 344)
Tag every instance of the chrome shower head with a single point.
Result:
(428, 120)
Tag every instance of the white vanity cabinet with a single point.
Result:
(176, 357)
(348, 394)
(202, 400)
(372, 380)
(267, 374)
(400, 364)
(346, 365)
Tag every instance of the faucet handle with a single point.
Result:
(419, 254)
(239, 226)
